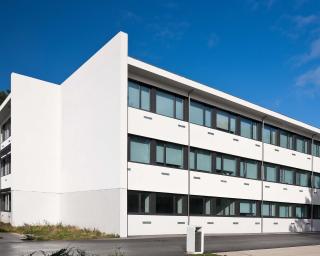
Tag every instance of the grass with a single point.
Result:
(55, 232)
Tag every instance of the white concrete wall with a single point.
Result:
(35, 150)
(94, 139)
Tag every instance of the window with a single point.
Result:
(5, 165)
(286, 176)
(180, 202)
(316, 149)
(302, 145)
(138, 96)
(169, 154)
(5, 202)
(139, 202)
(268, 209)
(302, 212)
(139, 150)
(164, 204)
(286, 140)
(226, 122)
(316, 212)
(248, 209)
(225, 207)
(270, 173)
(200, 114)
(169, 105)
(269, 135)
(248, 129)
(200, 160)
(316, 181)
(249, 169)
(196, 205)
(145, 202)
(226, 165)
(133, 202)
(302, 179)
(285, 211)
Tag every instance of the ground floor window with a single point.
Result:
(5, 202)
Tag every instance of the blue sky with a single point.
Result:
(267, 52)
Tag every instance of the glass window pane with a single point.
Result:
(196, 113)
(255, 131)
(270, 173)
(192, 160)
(134, 94)
(273, 136)
(233, 125)
(303, 179)
(229, 166)
(208, 207)
(165, 104)
(223, 121)
(218, 163)
(207, 117)
(145, 98)
(283, 211)
(266, 135)
(265, 209)
(300, 145)
(133, 202)
(179, 205)
(179, 108)
(245, 128)
(283, 140)
(174, 155)
(196, 205)
(299, 212)
(286, 176)
(160, 153)
(140, 150)
(145, 203)
(164, 204)
(317, 181)
(252, 170)
(247, 209)
(225, 207)
(203, 161)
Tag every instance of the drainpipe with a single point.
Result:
(189, 93)
(312, 178)
(262, 171)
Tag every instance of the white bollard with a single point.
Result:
(195, 240)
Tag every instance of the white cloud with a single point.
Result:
(302, 21)
(314, 53)
(309, 82)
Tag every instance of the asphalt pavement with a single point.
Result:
(164, 246)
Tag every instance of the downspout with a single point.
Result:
(312, 179)
(189, 93)
(262, 171)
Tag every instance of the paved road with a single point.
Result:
(168, 246)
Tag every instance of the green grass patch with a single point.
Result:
(55, 232)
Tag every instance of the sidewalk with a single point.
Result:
(312, 250)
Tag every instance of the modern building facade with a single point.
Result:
(128, 148)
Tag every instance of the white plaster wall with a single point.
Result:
(6, 181)
(157, 178)
(316, 164)
(275, 225)
(34, 207)
(94, 135)
(5, 217)
(35, 150)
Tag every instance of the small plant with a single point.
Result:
(63, 252)
(117, 252)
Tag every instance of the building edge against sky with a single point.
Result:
(69, 146)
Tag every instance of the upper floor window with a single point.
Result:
(138, 96)
(226, 165)
(200, 114)
(268, 209)
(270, 173)
(169, 154)
(225, 207)
(139, 150)
(286, 176)
(269, 135)
(302, 179)
(226, 122)
(200, 160)
(248, 129)
(169, 105)
(302, 212)
(302, 145)
(6, 130)
(316, 181)
(5, 165)
(316, 149)
(249, 169)
(248, 208)
(285, 211)
(286, 140)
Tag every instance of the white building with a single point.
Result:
(108, 149)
